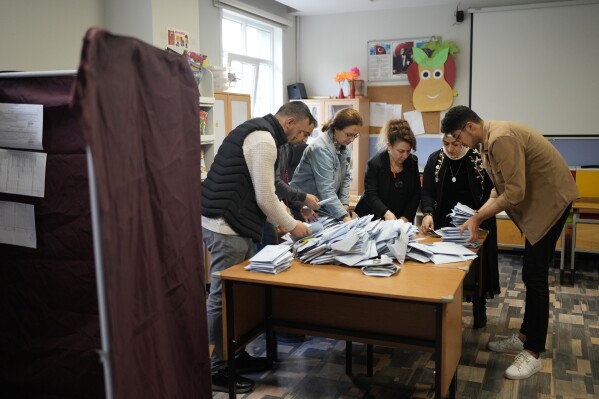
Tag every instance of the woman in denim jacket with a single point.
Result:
(324, 169)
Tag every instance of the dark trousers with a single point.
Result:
(535, 275)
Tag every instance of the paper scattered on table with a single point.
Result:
(380, 271)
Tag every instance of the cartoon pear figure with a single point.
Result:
(432, 92)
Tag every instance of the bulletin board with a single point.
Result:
(402, 95)
(384, 61)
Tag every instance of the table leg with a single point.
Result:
(230, 338)
(348, 357)
(453, 387)
(573, 248)
(369, 361)
(271, 341)
(563, 254)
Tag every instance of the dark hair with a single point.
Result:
(343, 118)
(297, 110)
(457, 117)
(395, 130)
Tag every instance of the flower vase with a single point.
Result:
(352, 89)
(341, 95)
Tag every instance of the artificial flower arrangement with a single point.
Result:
(350, 76)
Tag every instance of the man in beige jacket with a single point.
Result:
(534, 186)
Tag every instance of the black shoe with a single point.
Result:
(245, 363)
(220, 383)
(291, 338)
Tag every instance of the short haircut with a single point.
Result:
(297, 110)
(457, 117)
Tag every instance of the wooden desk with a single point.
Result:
(583, 211)
(419, 308)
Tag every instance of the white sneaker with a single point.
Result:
(524, 366)
(508, 345)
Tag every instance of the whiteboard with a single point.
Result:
(538, 65)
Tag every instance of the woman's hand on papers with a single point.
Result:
(427, 224)
(311, 201)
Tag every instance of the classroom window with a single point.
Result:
(252, 50)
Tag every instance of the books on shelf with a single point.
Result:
(203, 162)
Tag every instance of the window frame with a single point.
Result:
(274, 97)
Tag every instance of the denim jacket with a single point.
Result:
(325, 172)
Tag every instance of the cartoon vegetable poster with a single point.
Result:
(432, 76)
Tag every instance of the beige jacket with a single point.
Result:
(532, 181)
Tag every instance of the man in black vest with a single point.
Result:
(238, 196)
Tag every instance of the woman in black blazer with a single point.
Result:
(392, 181)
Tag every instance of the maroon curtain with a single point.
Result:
(49, 328)
(139, 108)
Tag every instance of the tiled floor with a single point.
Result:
(315, 369)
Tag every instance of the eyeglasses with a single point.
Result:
(352, 136)
(456, 136)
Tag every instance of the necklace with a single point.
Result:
(393, 168)
(453, 177)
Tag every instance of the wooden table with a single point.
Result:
(584, 210)
(419, 308)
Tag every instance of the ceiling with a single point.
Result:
(321, 7)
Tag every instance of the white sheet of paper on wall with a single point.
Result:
(21, 126)
(17, 224)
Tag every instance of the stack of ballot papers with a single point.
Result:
(357, 243)
(272, 259)
(459, 215)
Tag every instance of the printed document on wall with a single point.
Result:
(22, 172)
(21, 126)
(17, 224)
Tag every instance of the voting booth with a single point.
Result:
(130, 115)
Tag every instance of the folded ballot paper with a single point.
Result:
(380, 271)
(272, 259)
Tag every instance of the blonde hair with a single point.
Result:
(395, 130)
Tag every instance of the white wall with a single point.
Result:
(38, 35)
(333, 43)
(41, 35)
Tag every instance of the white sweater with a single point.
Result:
(260, 153)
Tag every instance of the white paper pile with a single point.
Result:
(459, 215)
(271, 259)
(357, 243)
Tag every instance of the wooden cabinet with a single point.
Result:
(230, 111)
(324, 110)
(510, 237)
